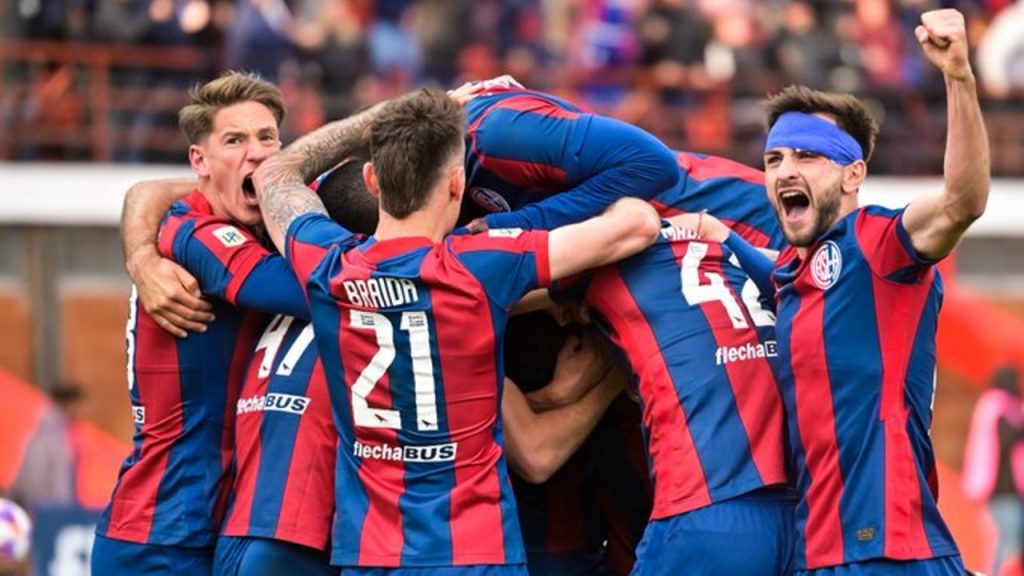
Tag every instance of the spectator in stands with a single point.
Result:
(1001, 53)
(805, 51)
(994, 462)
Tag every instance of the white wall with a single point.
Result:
(91, 194)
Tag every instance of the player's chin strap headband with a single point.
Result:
(802, 131)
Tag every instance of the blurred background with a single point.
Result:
(89, 90)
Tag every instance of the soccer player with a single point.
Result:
(858, 298)
(422, 485)
(536, 161)
(688, 323)
(589, 515)
(167, 505)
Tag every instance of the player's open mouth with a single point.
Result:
(248, 189)
(795, 203)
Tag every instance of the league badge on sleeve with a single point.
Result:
(505, 232)
(229, 236)
(826, 265)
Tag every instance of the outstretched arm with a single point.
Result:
(627, 227)
(936, 222)
(280, 181)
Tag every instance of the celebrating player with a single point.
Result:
(858, 298)
(421, 477)
(166, 508)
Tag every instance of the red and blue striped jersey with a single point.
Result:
(285, 441)
(733, 192)
(856, 327)
(622, 479)
(596, 506)
(537, 161)
(410, 334)
(687, 322)
(562, 517)
(172, 488)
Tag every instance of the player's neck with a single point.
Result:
(420, 223)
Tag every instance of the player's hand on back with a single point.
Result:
(477, 225)
(463, 94)
(170, 295)
(943, 37)
(704, 224)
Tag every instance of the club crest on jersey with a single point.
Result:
(229, 236)
(488, 199)
(826, 265)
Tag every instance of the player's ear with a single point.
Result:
(370, 179)
(457, 181)
(197, 158)
(854, 175)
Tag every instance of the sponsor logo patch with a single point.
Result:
(748, 351)
(229, 236)
(432, 453)
(273, 402)
(826, 265)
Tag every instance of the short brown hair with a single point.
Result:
(850, 113)
(412, 140)
(196, 119)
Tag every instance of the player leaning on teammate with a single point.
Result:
(166, 508)
(857, 298)
(422, 482)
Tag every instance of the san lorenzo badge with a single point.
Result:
(826, 265)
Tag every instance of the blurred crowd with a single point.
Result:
(691, 71)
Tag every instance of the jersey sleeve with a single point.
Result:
(757, 265)
(570, 289)
(309, 238)
(508, 263)
(585, 161)
(887, 247)
(733, 192)
(224, 257)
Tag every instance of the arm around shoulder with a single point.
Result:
(624, 229)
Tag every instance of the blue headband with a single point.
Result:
(802, 131)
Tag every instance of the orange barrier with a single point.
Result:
(24, 405)
(975, 336)
(968, 520)
(97, 454)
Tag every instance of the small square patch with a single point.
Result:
(865, 534)
(229, 236)
(505, 232)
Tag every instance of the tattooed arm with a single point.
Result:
(280, 181)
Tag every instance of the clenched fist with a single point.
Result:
(943, 37)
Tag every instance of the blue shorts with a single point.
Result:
(752, 534)
(120, 558)
(945, 566)
(475, 570)
(244, 556)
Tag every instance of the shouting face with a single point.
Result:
(243, 136)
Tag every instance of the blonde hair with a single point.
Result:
(196, 119)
